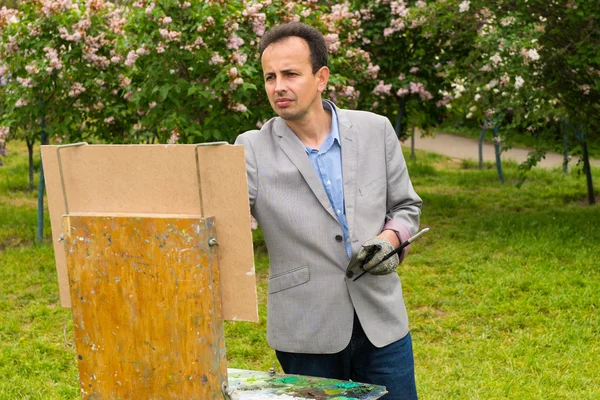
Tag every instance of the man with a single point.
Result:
(325, 185)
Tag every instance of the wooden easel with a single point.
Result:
(145, 293)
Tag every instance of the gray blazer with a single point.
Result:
(312, 298)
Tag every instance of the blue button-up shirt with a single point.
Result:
(327, 161)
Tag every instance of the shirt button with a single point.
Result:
(338, 212)
(329, 182)
(349, 274)
(339, 238)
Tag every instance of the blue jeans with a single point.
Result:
(391, 366)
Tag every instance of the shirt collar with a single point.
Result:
(335, 126)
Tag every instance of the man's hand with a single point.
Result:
(383, 244)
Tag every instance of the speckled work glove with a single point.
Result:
(373, 250)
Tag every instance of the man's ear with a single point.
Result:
(322, 76)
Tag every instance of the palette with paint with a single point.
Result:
(256, 385)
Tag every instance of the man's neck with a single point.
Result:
(313, 131)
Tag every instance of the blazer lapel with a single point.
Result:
(349, 139)
(293, 148)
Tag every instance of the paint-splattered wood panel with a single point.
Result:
(146, 307)
(160, 179)
(255, 385)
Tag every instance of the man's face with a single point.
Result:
(293, 90)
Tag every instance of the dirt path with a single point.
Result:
(466, 148)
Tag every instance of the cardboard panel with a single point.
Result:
(146, 307)
(160, 179)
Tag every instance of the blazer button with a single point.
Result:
(339, 238)
(349, 274)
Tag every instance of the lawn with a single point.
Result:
(502, 294)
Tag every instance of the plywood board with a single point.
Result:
(160, 179)
(146, 307)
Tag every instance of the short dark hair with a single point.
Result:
(314, 39)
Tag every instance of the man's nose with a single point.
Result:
(280, 85)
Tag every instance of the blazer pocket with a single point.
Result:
(366, 189)
(289, 279)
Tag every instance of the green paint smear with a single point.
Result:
(348, 385)
(291, 379)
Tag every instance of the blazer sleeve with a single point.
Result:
(251, 168)
(403, 203)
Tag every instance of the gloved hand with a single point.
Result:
(375, 249)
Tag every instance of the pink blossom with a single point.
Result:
(4, 130)
(131, 58)
(239, 58)
(464, 6)
(185, 4)
(152, 105)
(413, 70)
(420, 4)
(382, 89)
(519, 82)
(8, 16)
(333, 42)
(399, 8)
(109, 120)
(50, 7)
(76, 89)
(496, 59)
(349, 92)
(21, 103)
(238, 107)
(425, 95)
(166, 20)
(396, 25)
(12, 46)
(116, 21)
(31, 69)
(64, 34)
(169, 35)
(174, 137)
(533, 54)
(216, 59)
(3, 69)
(124, 81)
(128, 95)
(402, 92)
(401, 77)
(26, 82)
(585, 88)
(234, 42)
(372, 70)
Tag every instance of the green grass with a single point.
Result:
(503, 293)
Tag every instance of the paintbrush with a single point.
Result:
(395, 251)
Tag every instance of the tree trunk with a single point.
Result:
(412, 144)
(30, 142)
(481, 138)
(497, 148)
(42, 183)
(588, 172)
(400, 115)
(565, 147)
